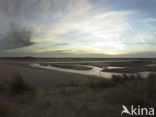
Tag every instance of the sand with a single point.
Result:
(41, 77)
(67, 100)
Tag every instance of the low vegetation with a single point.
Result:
(97, 98)
(138, 91)
(101, 83)
(13, 91)
(120, 79)
(16, 85)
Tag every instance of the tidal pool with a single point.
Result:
(95, 71)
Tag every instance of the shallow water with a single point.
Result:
(95, 71)
(150, 65)
(110, 67)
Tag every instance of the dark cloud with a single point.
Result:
(60, 44)
(16, 37)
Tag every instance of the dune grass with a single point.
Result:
(16, 85)
(120, 79)
(137, 92)
(97, 98)
(101, 83)
(4, 109)
(14, 91)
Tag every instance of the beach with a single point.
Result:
(36, 92)
(42, 77)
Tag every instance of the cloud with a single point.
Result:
(16, 37)
(59, 44)
(100, 30)
(86, 26)
(140, 43)
(148, 36)
(55, 18)
(151, 20)
(81, 53)
(141, 54)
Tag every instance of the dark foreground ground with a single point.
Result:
(29, 92)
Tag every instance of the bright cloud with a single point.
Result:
(87, 26)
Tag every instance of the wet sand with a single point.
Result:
(40, 77)
(69, 100)
(49, 78)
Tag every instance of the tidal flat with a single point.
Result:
(36, 92)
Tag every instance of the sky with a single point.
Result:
(78, 28)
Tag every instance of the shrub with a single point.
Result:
(130, 94)
(117, 79)
(18, 85)
(151, 80)
(4, 109)
(150, 89)
(72, 84)
(138, 92)
(2, 85)
(101, 83)
(120, 79)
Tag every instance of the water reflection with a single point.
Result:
(95, 71)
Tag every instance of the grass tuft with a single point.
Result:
(120, 79)
(4, 109)
(16, 85)
(101, 83)
(2, 85)
(137, 92)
